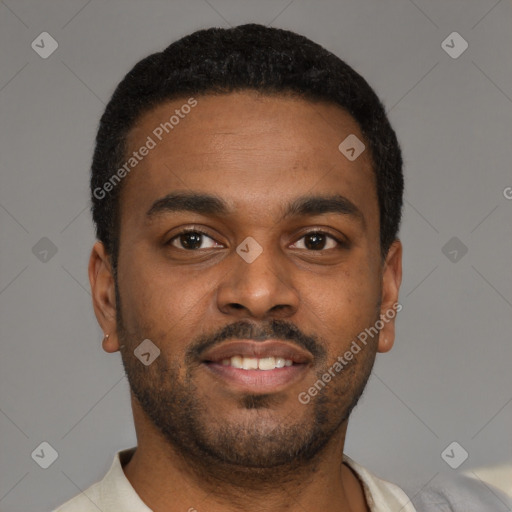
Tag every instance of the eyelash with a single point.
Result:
(340, 243)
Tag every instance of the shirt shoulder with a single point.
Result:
(87, 500)
(111, 494)
(460, 493)
(381, 495)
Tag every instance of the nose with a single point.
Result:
(262, 288)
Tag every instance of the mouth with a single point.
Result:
(255, 363)
(257, 367)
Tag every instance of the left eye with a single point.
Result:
(317, 240)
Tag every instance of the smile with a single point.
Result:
(257, 366)
(255, 363)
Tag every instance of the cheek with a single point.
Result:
(144, 296)
(343, 305)
(163, 304)
(344, 312)
(346, 290)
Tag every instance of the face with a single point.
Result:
(248, 239)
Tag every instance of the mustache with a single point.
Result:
(276, 329)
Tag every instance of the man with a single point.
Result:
(247, 192)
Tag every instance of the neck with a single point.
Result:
(161, 476)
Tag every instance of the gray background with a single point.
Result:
(448, 376)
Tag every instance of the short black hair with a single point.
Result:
(246, 57)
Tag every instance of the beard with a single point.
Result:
(255, 441)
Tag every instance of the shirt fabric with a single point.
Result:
(114, 493)
(461, 493)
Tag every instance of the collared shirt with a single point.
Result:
(114, 493)
(479, 490)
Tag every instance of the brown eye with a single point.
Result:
(319, 240)
(190, 240)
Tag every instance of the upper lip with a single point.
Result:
(258, 349)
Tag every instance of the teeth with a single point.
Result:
(280, 362)
(254, 363)
(249, 363)
(236, 362)
(267, 363)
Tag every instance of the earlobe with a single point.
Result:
(385, 343)
(110, 344)
(103, 295)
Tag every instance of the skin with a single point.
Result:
(201, 443)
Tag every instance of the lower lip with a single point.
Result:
(258, 381)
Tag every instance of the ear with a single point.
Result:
(391, 280)
(103, 295)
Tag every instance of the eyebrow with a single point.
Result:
(211, 205)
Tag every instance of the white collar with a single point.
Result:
(115, 492)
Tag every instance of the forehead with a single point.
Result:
(255, 151)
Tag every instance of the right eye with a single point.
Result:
(190, 240)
